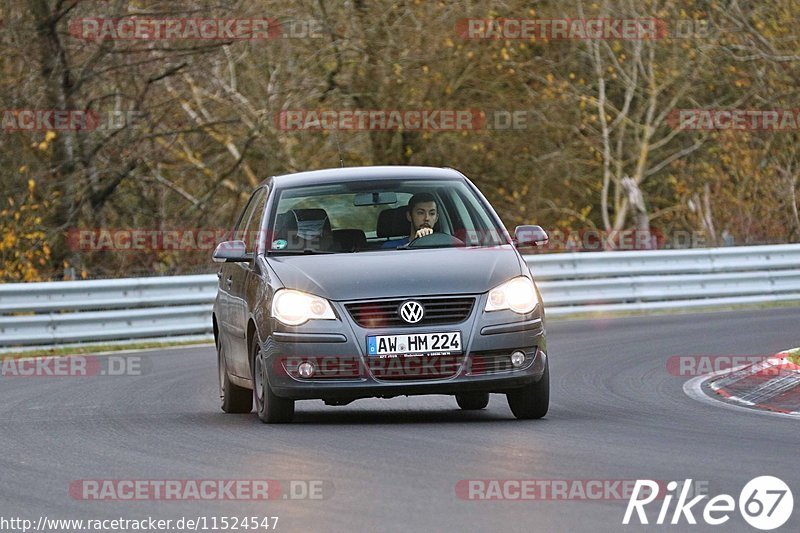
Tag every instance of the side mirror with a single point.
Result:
(530, 236)
(231, 252)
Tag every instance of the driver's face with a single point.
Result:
(423, 215)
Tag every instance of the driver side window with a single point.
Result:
(247, 229)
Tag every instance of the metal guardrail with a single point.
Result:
(602, 282)
(571, 284)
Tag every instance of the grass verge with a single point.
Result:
(793, 356)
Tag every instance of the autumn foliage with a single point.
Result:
(578, 134)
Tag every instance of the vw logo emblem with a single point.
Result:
(412, 312)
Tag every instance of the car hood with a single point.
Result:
(398, 273)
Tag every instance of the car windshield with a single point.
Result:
(363, 216)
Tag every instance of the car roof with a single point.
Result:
(337, 175)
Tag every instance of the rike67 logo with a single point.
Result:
(765, 502)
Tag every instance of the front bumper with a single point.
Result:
(369, 387)
(337, 349)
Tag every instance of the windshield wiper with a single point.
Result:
(429, 247)
(306, 251)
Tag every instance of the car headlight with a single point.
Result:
(518, 294)
(296, 307)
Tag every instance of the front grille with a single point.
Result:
(383, 313)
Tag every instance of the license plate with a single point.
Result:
(447, 343)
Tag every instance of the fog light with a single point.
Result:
(306, 370)
(517, 358)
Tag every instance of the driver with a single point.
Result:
(422, 216)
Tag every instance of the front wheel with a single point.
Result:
(531, 401)
(235, 399)
(271, 409)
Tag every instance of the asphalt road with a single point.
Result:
(393, 465)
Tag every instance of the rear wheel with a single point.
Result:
(271, 409)
(235, 399)
(471, 401)
(531, 401)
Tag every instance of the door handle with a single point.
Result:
(229, 281)
(219, 274)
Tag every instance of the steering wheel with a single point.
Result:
(436, 240)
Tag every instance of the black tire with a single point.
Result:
(531, 401)
(270, 408)
(235, 399)
(472, 401)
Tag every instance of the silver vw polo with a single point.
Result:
(363, 282)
